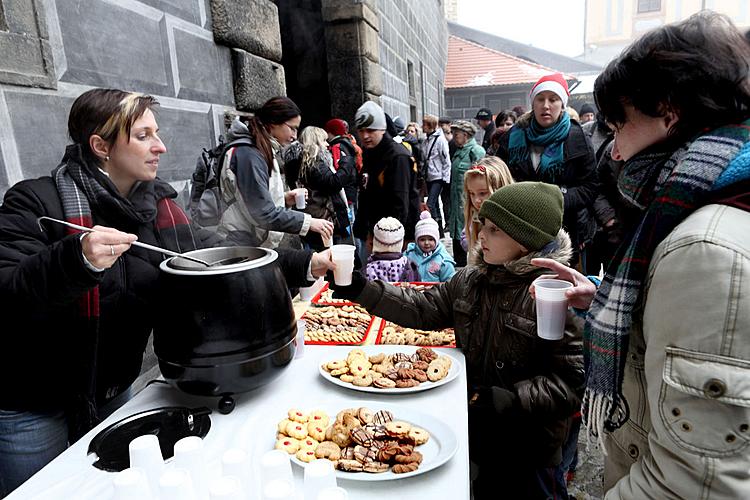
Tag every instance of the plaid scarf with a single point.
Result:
(81, 189)
(668, 188)
(552, 138)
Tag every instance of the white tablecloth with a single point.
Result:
(71, 475)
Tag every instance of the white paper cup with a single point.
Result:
(175, 484)
(334, 493)
(551, 307)
(189, 455)
(275, 464)
(300, 339)
(299, 198)
(145, 454)
(319, 475)
(236, 463)
(226, 488)
(279, 489)
(131, 484)
(343, 257)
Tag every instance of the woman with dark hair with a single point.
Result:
(668, 355)
(504, 121)
(546, 145)
(252, 184)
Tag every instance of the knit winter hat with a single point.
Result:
(336, 127)
(464, 126)
(371, 116)
(388, 236)
(529, 212)
(586, 108)
(427, 226)
(554, 83)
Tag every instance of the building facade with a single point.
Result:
(206, 60)
(612, 24)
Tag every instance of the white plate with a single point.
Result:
(371, 350)
(435, 452)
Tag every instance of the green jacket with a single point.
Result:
(463, 158)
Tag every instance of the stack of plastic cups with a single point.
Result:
(235, 463)
(189, 455)
(145, 454)
(175, 484)
(131, 484)
(277, 482)
(319, 475)
(226, 488)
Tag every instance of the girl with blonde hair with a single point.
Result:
(481, 180)
(325, 185)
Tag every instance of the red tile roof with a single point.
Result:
(473, 65)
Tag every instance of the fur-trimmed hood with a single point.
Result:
(559, 249)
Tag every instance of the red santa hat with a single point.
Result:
(554, 83)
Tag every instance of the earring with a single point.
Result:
(106, 158)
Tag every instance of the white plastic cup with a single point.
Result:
(343, 257)
(307, 293)
(145, 454)
(299, 198)
(226, 488)
(551, 307)
(319, 475)
(175, 484)
(189, 455)
(279, 489)
(300, 339)
(334, 493)
(131, 484)
(275, 465)
(236, 463)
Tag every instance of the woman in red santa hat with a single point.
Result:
(546, 145)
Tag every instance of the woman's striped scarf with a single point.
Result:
(80, 190)
(668, 187)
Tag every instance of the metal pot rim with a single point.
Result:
(269, 257)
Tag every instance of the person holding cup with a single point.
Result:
(523, 389)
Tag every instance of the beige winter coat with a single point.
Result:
(687, 378)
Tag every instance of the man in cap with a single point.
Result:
(486, 123)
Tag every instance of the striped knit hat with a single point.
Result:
(388, 236)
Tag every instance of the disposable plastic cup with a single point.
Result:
(299, 199)
(226, 488)
(551, 307)
(279, 489)
(175, 484)
(300, 339)
(189, 455)
(275, 464)
(334, 493)
(343, 257)
(131, 484)
(145, 454)
(319, 475)
(236, 463)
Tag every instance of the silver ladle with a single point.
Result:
(135, 243)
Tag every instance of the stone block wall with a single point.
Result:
(413, 40)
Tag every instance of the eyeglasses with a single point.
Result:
(292, 128)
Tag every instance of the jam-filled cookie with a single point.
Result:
(306, 455)
(289, 445)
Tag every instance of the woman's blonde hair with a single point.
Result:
(313, 140)
(496, 174)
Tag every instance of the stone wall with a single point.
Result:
(413, 41)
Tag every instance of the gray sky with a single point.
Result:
(555, 25)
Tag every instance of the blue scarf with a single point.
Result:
(551, 138)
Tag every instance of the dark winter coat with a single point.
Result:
(578, 180)
(324, 200)
(390, 190)
(494, 318)
(345, 156)
(489, 131)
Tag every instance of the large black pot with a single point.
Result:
(224, 329)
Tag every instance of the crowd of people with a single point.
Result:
(642, 203)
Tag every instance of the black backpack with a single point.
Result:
(206, 204)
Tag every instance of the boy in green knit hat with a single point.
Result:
(522, 389)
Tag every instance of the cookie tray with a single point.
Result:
(384, 323)
(361, 342)
(318, 301)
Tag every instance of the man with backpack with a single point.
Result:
(346, 154)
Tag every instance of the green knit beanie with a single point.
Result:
(529, 212)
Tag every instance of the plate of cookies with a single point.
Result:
(374, 442)
(384, 369)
